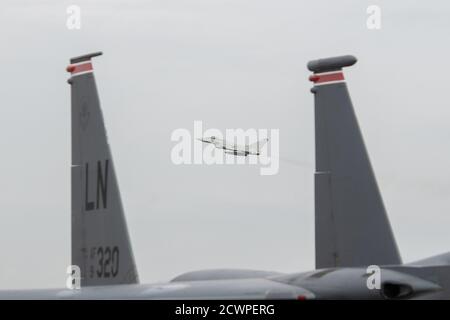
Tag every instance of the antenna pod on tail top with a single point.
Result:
(81, 64)
(331, 64)
(85, 57)
(329, 70)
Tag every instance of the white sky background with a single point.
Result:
(232, 64)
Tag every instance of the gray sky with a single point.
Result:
(232, 64)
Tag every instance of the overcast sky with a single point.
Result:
(231, 64)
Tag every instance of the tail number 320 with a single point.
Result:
(108, 262)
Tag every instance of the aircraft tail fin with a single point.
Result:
(352, 227)
(258, 145)
(101, 246)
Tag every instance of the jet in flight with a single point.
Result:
(234, 149)
(352, 229)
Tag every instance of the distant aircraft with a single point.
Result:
(234, 149)
(352, 232)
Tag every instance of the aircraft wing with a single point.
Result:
(236, 152)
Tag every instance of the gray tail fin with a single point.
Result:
(101, 246)
(352, 228)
